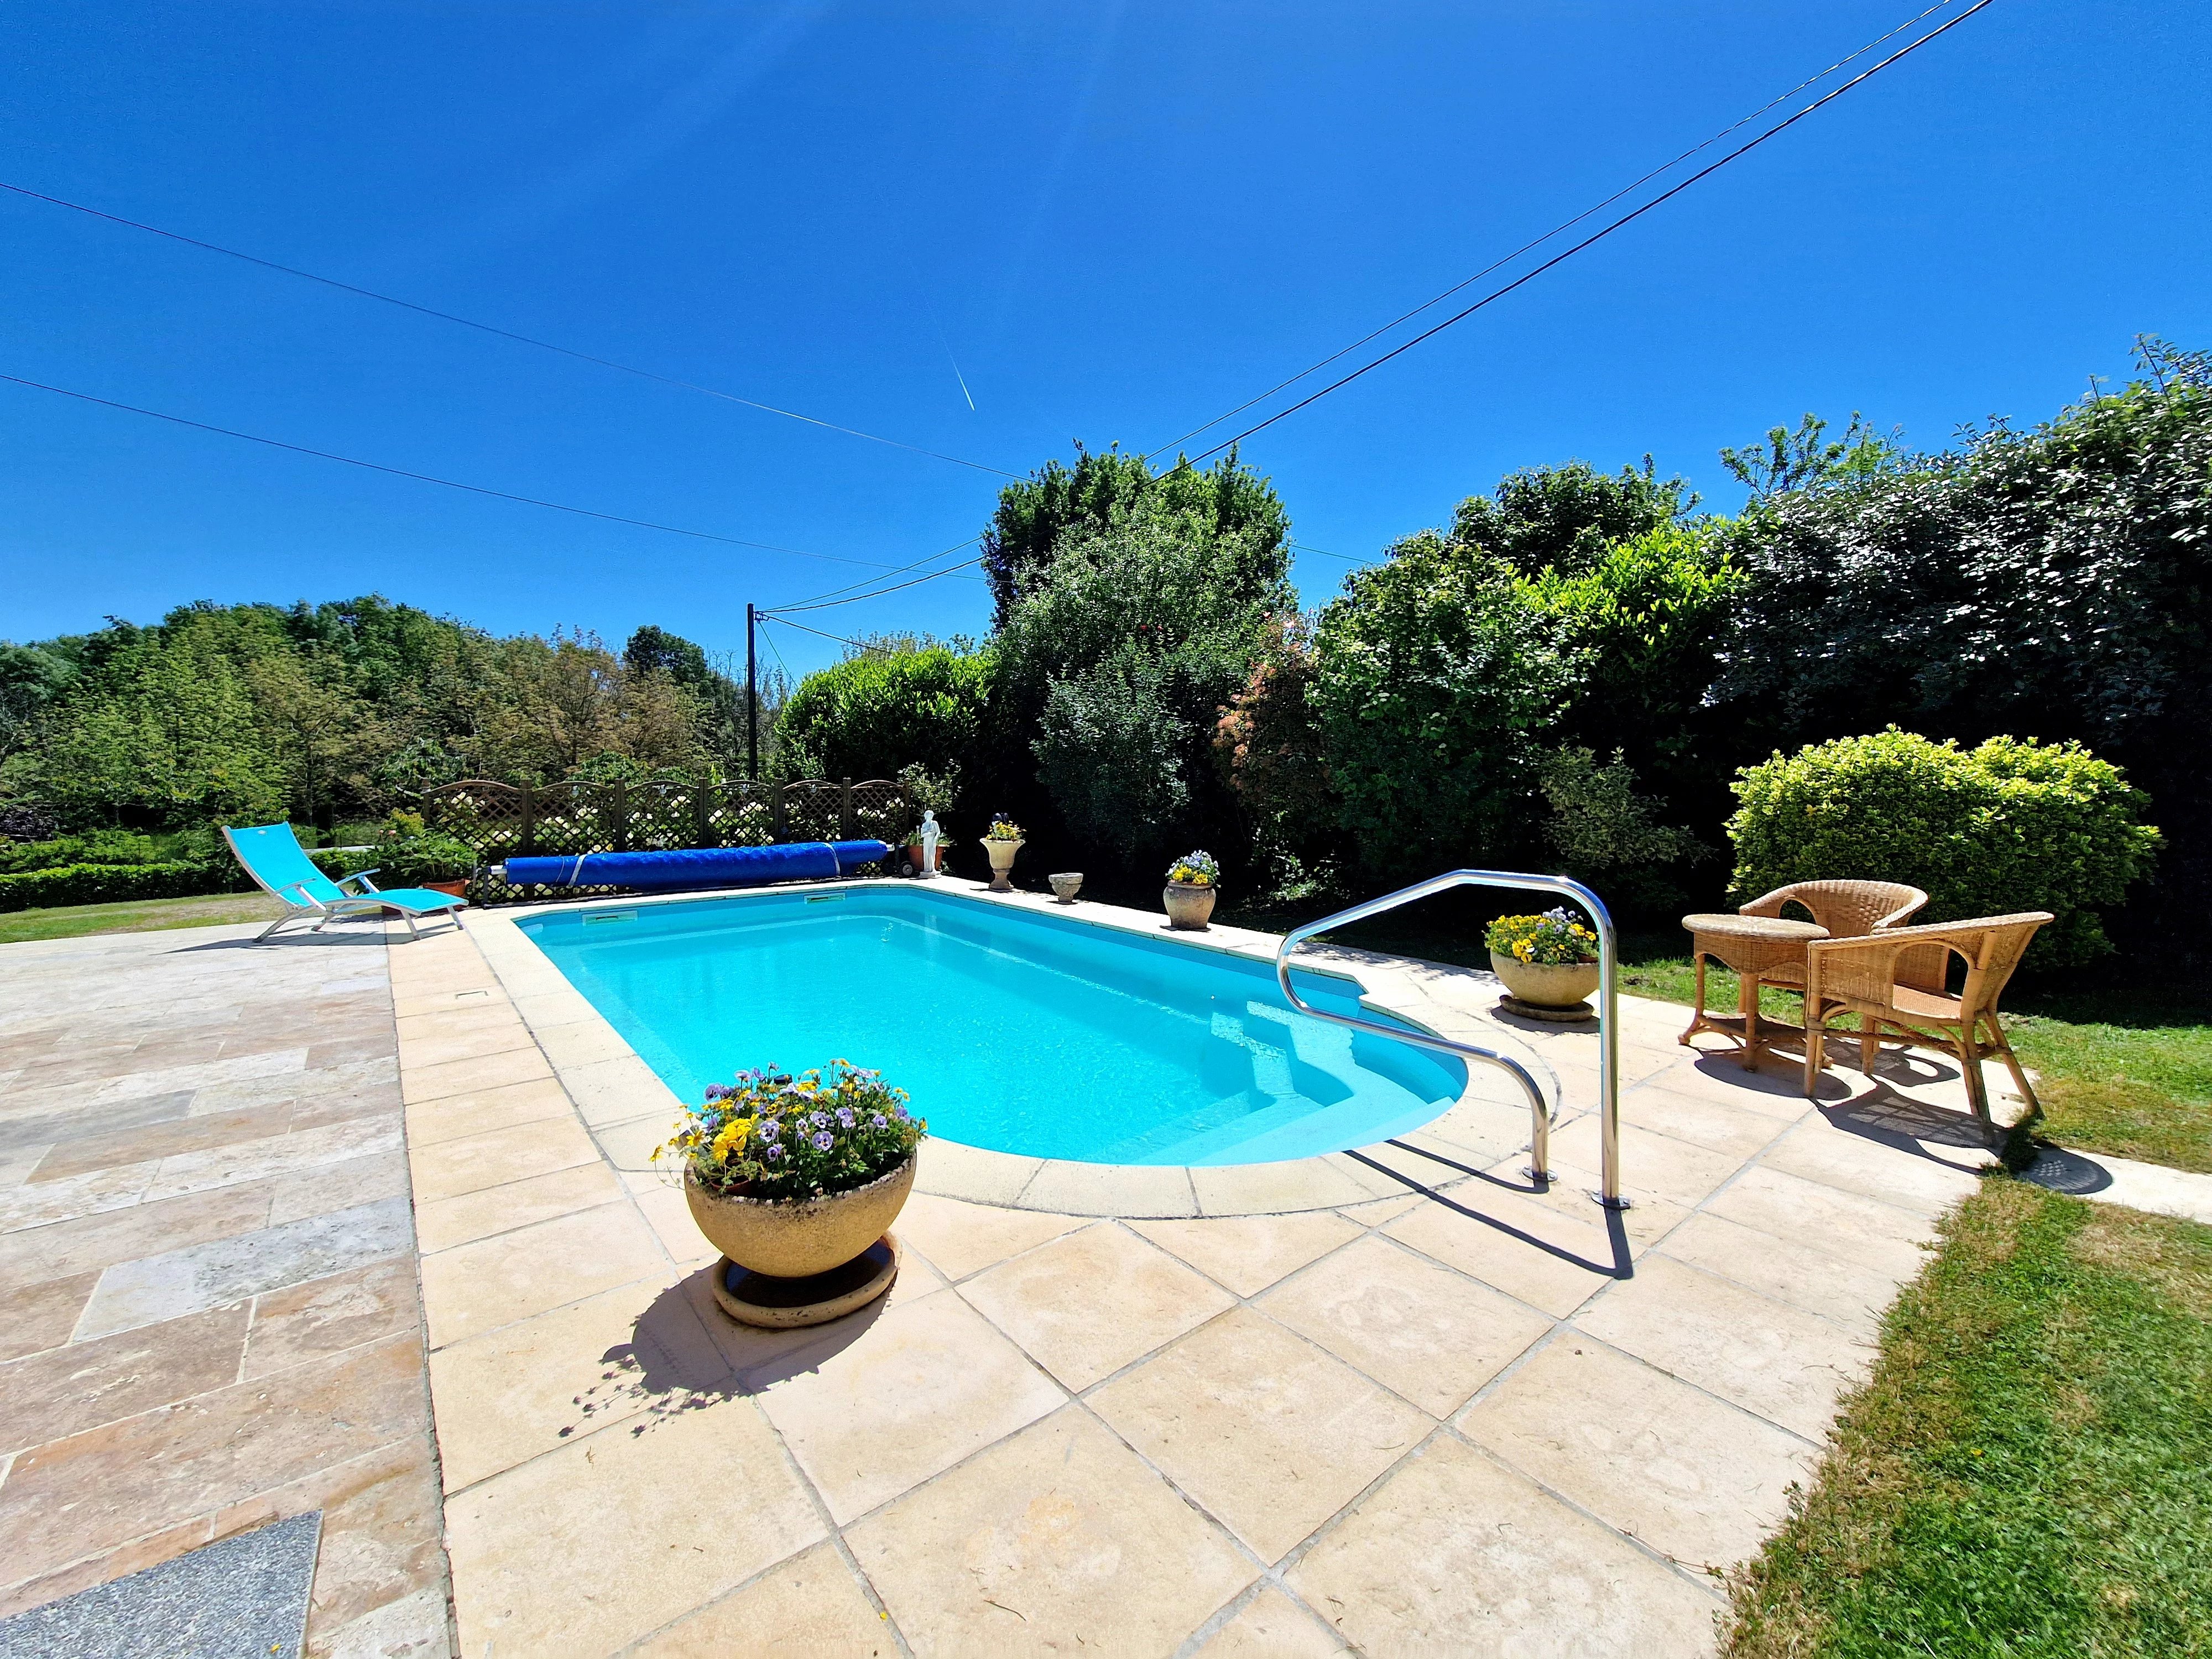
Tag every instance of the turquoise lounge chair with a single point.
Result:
(271, 855)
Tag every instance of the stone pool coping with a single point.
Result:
(628, 1109)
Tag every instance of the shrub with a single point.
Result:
(409, 860)
(770, 1135)
(867, 716)
(112, 884)
(24, 820)
(98, 847)
(2007, 826)
(1602, 830)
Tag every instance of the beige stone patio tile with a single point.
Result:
(1247, 1254)
(495, 1281)
(1058, 1540)
(589, 1547)
(505, 1396)
(630, 1146)
(1728, 1126)
(619, 1091)
(906, 1397)
(1085, 1305)
(564, 1006)
(1819, 1150)
(1858, 1229)
(469, 1077)
(457, 1018)
(1115, 1189)
(1420, 1330)
(1270, 1434)
(809, 1606)
(1547, 1261)
(435, 1039)
(439, 1002)
(452, 1221)
(972, 1174)
(1271, 1626)
(1453, 1549)
(1852, 1295)
(669, 1215)
(494, 1109)
(301, 1151)
(961, 1238)
(1306, 1184)
(1766, 1356)
(580, 1042)
(1680, 1171)
(1777, 1090)
(1477, 1132)
(1570, 1198)
(327, 1316)
(1692, 1476)
(447, 1169)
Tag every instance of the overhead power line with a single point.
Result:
(826, 601)
(1599, 235)
(1563, 225)
(449, 483)
(488, 328)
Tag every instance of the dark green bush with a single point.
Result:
(2009, 825)
(410, 861)
(110, 883)
(870, 715)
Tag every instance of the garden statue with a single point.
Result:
(929, 834)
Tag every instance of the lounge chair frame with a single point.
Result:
(303, 905)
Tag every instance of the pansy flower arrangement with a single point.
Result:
(774, 1136)
(1551, 940)
(1003, 828)
(1195, 870)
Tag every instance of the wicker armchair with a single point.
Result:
(1865, 976)
(1847, 910)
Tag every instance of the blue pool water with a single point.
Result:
(1020, 1032)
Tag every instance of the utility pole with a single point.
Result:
(752, 706)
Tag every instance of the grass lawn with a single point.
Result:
(136, 917)
(2024, 1475)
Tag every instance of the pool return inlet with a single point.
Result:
(1540, 1114)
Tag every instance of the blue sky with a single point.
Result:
(1116, 221)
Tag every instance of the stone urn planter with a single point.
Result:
(796, 1238)
(1189, 906)
(1066, 886)
(1002, 863)
(1556, 989)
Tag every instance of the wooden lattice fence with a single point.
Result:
(497, 821)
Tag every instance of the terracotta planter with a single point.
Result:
(1545, 985)
(1188, 906)
(1002, 864)
(914, 852)
(1066, 887)
(795, 1238)
(456, 888)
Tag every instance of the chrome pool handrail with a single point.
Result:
(1608, 1032)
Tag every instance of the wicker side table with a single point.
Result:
(1751, 945)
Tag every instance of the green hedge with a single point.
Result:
(2010, 825)
(112, 884)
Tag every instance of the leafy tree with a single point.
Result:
(1267, 746)
(1808, 459)
(1107, 486)
(1113, 668)
(1561, 518)
(1434, 679)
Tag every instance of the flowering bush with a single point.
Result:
(1003, 828)
(771, 1135)
(1551, 940)
(1195, 870)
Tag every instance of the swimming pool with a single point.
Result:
(1020, 1032)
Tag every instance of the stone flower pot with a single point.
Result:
(1188, 905)
(1545, 985)
(1066, 886)
(1002, 864)
(796, 1238)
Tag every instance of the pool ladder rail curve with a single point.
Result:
(1608, 1030)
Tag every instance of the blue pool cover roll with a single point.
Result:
(699, 866)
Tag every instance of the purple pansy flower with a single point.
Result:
(822, 1142)
(844, 1117)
